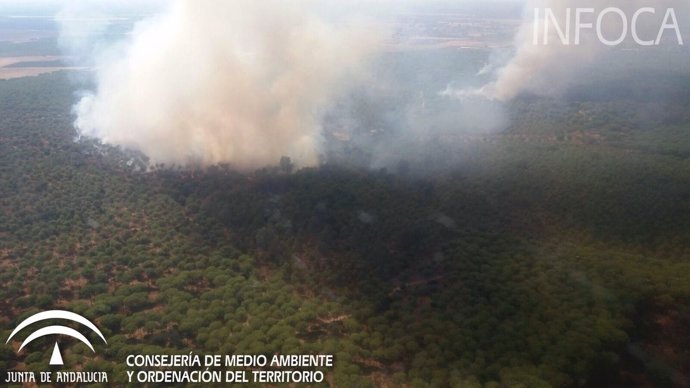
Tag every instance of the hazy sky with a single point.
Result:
(53, 5)
(49, 7)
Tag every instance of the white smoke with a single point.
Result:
(549, 68)
(78, 33)
(239, 81)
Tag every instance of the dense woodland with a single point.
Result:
(553, 254)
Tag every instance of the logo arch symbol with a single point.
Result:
(56, 358)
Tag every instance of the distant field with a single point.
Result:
(425, 43)
(19, 36)
(13, 60)
(18, 72)
(47, 63)
(26, 66)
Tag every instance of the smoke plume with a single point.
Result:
(549, 68)
(242, 82)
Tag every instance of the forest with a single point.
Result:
(553, 254)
